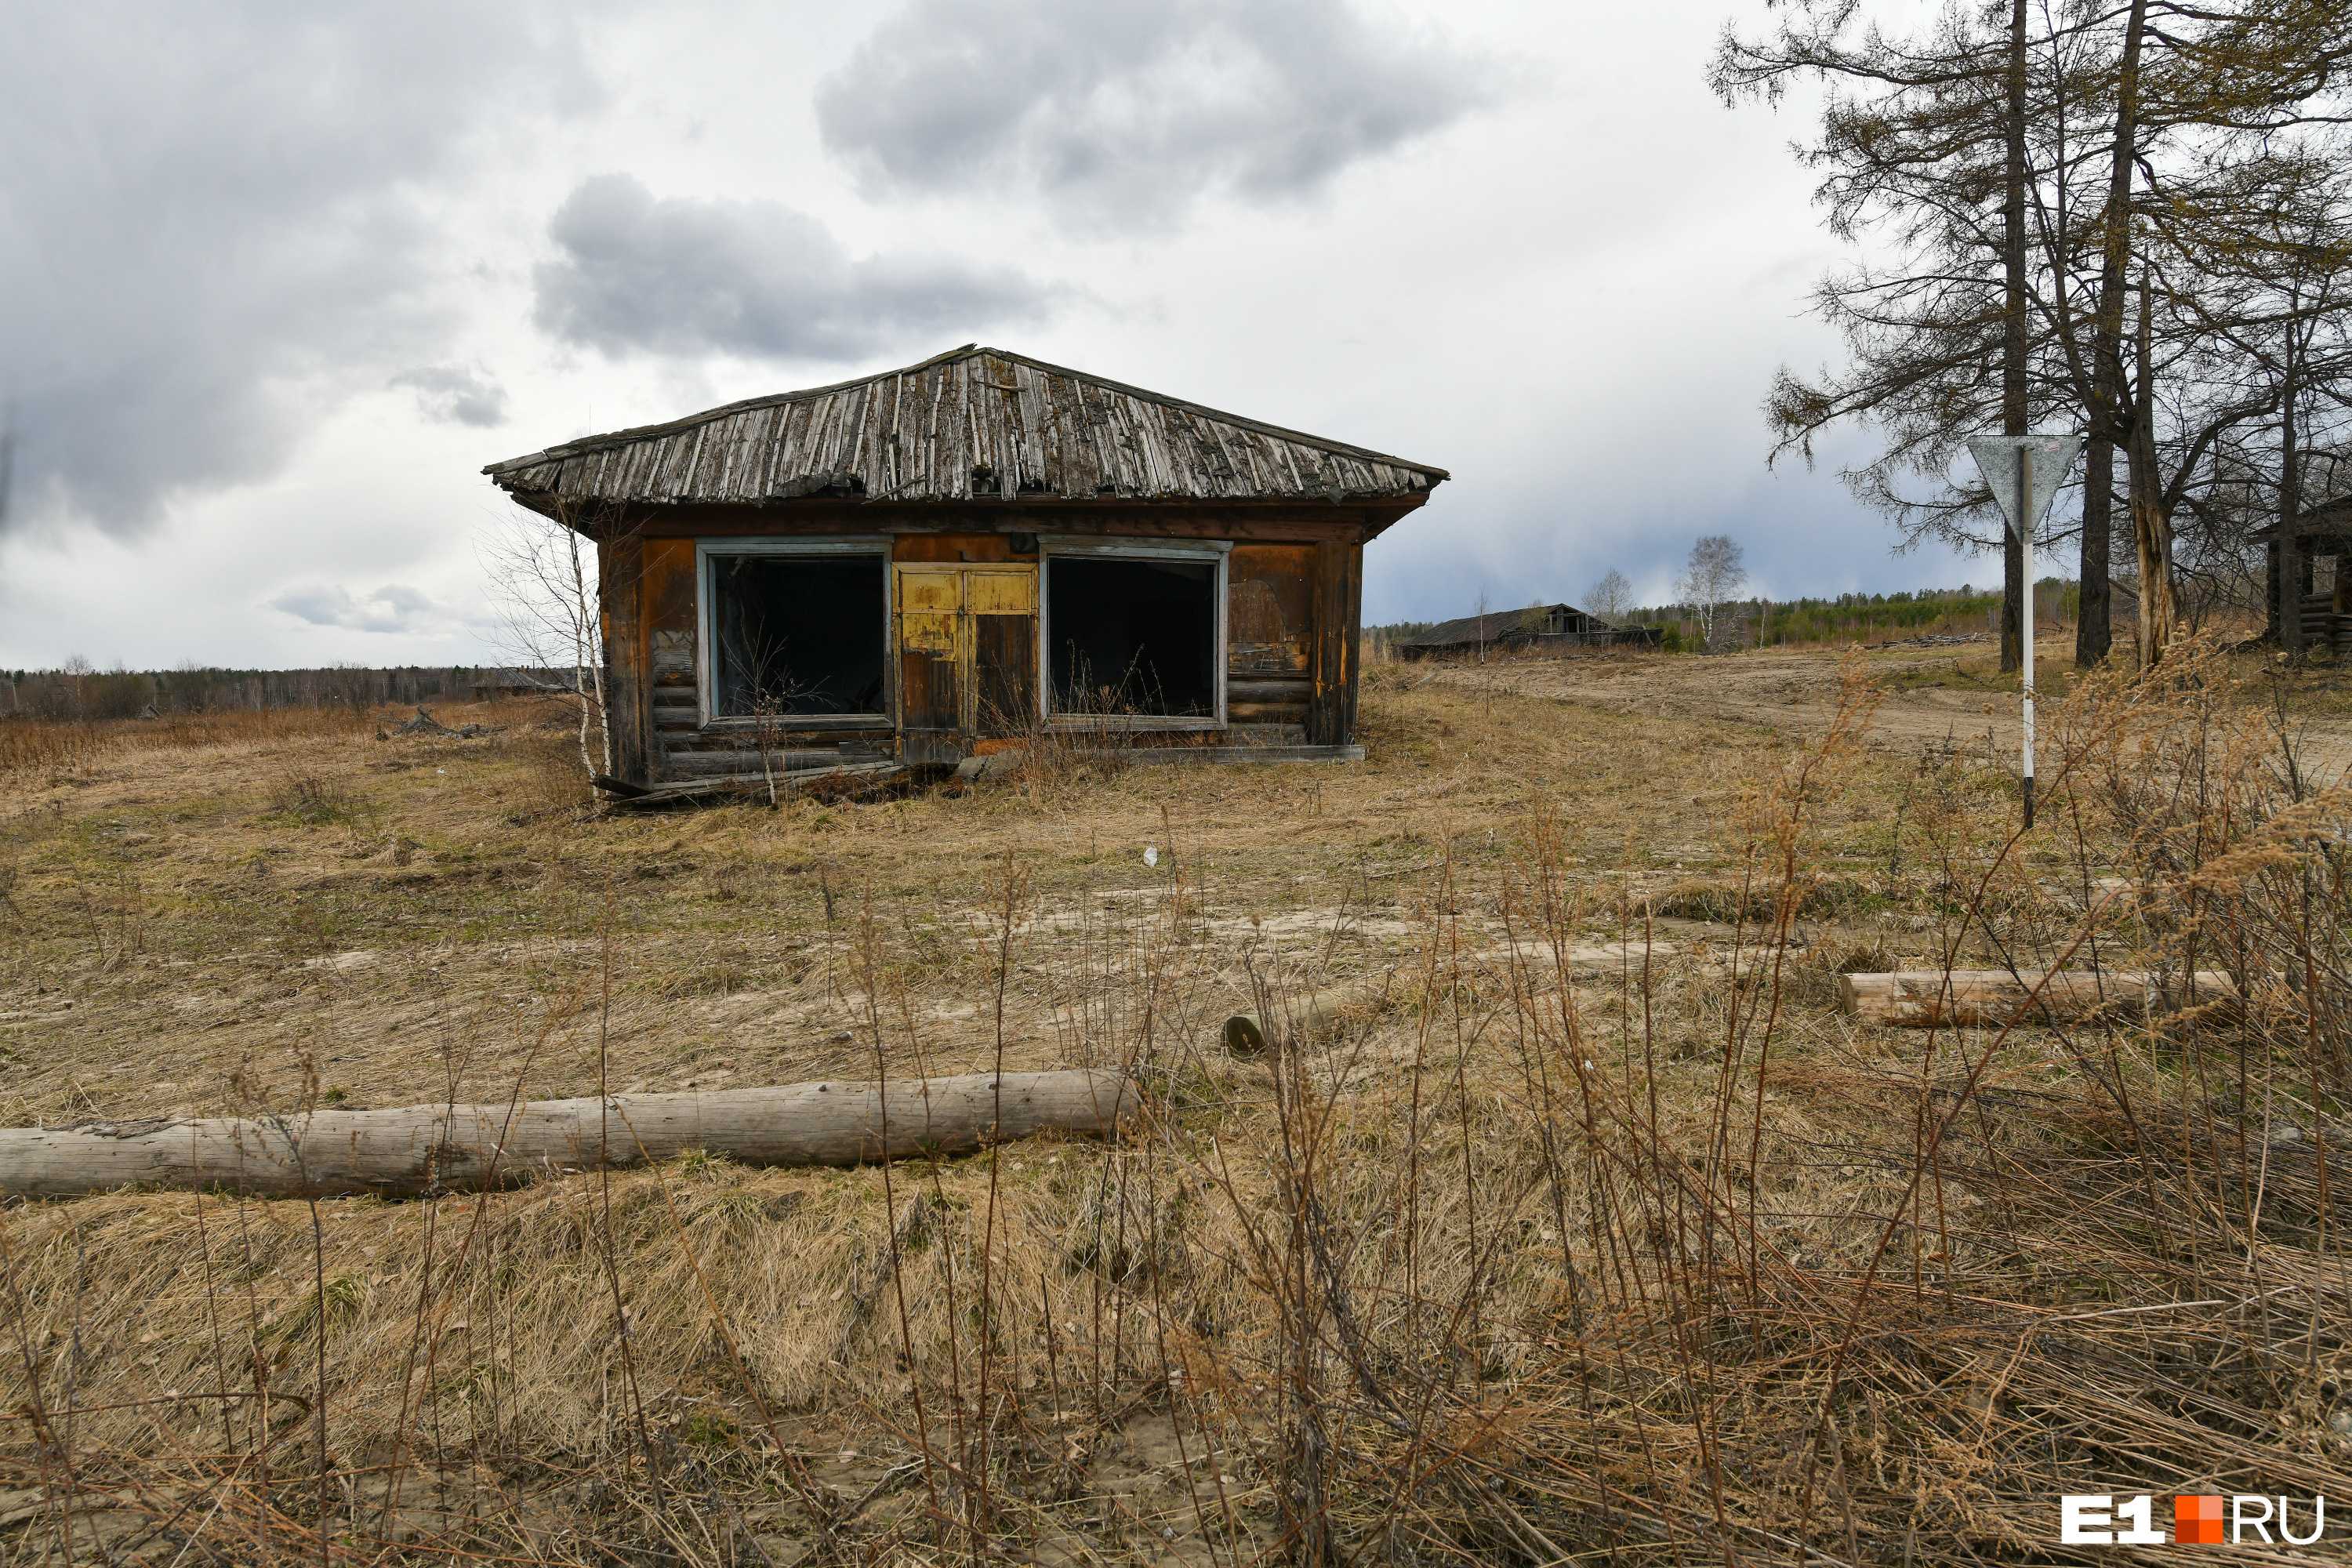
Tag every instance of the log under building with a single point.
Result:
(933, 563)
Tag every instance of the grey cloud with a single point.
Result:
(455, 396)
(1128, 109)
(391, 608)
(215, 229)
(678, 276)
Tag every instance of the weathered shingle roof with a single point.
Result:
(971, 423)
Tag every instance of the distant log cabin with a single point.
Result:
(932, 563)
(1538, 626)
(2308, 577)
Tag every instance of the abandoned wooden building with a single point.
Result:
(2313, 609)
(932, 563)
(1538, 626)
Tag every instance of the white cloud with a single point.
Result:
(391, 609)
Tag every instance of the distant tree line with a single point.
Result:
(1846, 618)
(79, 690)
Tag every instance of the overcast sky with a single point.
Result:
(277, 279)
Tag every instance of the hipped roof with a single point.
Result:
(972, 424)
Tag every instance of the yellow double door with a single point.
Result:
(967, 641)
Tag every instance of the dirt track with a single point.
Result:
(1931, 697)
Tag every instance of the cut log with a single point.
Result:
(621, 788)
(752, 783)
(1287, 689)
(1142, 756)
(430, 1148)
(1253, 712)
(1308, 1017)
(1928, 998)
(1321, 1012)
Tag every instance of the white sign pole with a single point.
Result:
(2023, 472)
(2025, 545)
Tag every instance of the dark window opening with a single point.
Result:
(1133, 636)
(797, 633)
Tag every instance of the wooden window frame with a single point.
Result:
(1219, 550)
(706, 659)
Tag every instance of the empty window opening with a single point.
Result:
(1133, 636)
(797, 634)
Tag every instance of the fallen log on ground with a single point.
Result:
(1930, 998)
(1317, 1014)
(465, 1148)
(425, 724)
(784, 781)
(1306, 1017)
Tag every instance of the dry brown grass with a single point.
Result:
(66, 746)
(1656, 1259)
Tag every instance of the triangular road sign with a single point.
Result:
(2041, 462)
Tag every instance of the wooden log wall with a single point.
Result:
(1293, 620)
(669, 601)
(1338, 608)
(678, 745)
(1270, 605)
(620, 573)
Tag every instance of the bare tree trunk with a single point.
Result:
(2108, 418)
(2014, 411)
(2094, 618)
(590, 676)
(2286, 549)
(2151, 526)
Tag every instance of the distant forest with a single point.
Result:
(1845, 619)
(78, 691)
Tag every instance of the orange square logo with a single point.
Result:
(2197, 1521)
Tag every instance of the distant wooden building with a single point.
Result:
(930, 562)
(2312, 607)
(1541, 626)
